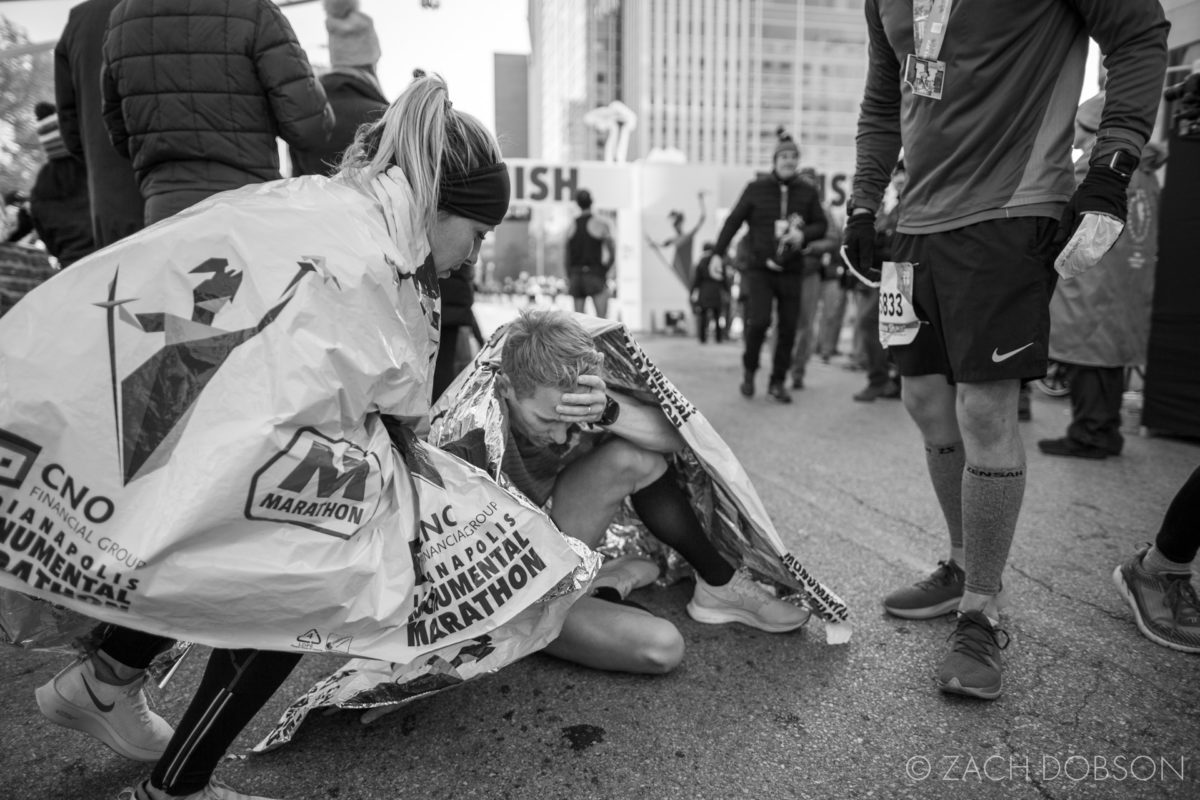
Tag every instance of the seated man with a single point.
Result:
(571, 442)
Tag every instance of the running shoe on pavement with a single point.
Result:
(932, 597)
(745, 601)
(117, 715)
(1165, 607)
(972, 666)
(215, 790)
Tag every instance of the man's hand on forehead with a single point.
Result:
(585, 404)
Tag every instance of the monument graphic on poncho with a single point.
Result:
(154, 401)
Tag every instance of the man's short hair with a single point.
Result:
(583, 199)
(547, 347)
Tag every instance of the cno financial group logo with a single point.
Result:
(326, 485)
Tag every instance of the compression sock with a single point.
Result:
(946, 463)
(667, 514)
(991, 502)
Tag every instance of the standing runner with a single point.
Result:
(981, 94)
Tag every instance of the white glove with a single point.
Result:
(1095, 236)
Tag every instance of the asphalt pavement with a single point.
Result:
(1091, 709)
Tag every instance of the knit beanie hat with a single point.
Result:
(785, 144)
(48, 134)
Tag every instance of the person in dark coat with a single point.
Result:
(113, 195)
(58, 202)
(227, 78)
(782, 214)
(355, 98)
(458, 296)
(711, 283)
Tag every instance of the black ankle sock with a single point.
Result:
(664, 508)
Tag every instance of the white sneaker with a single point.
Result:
(745, 601)
(626, 573)
(116, 715)
(215, 790)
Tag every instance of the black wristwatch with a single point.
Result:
(1122, 162)
(612, 410)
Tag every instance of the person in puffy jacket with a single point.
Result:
(196, 91)
(782, 213)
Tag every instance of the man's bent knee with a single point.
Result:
(639, 466)
(661, 651)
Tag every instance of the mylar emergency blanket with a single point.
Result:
(193, 440)
(726, 502)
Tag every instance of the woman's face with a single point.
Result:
(456, 241)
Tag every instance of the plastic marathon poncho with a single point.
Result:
(193, 444)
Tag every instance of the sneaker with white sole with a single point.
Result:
(1165, 607)
(215, 790)
(117, 715)
(745, 601)
(626, 573)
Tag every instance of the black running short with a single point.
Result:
(983, 295)
(586, 282)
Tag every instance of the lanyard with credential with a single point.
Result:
(922, 70)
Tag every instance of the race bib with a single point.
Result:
(898, 323)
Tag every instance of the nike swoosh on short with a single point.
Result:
(997, 356)
(105, 707)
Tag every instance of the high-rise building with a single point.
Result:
(512, 103)
(711, 79)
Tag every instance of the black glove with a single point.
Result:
(858, 237)
(1102, 192)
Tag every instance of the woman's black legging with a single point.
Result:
(1179, 537)
(236, 684)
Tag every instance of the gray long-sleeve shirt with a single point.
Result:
(998, 142)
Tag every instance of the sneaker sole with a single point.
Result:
(982, 693)
(1123, 587)
(927, 612)
(61, 711)
(711, 617)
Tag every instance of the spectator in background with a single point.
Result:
(782, 213)
(58, 202)
(458, 317)
(354, 95)
(590, 254)
(710, 292)
(115, 202)
(227, 79)
(815, 254)
(1100, 321)
(352, 38)
(833, 293)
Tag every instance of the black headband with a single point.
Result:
(481, 194)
